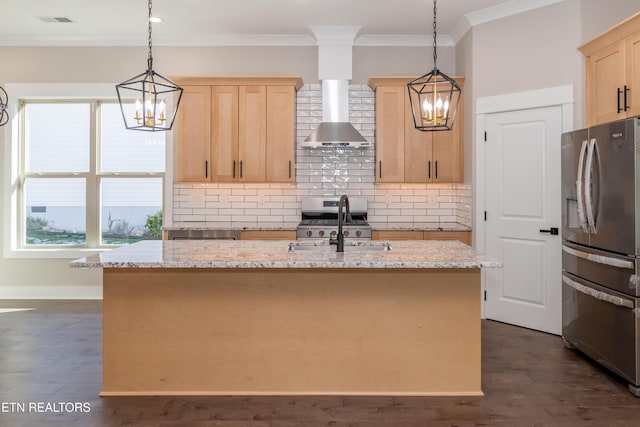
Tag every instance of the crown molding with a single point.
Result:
(212, 40)
(399, 40)
(510, 8)
(230, 40)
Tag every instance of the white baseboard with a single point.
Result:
(50, 292)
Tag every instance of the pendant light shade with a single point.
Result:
(149, 101)
(434, 97)
(4, 105)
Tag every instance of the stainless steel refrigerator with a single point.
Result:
(601, 245)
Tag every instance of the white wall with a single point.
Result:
(540, 51)
(599, 15)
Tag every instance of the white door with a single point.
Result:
(522, 203)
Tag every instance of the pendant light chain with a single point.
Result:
(150, 58)
(434, 97)
(153, 98)
(435, 36)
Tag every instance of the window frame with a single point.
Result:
(15, 175)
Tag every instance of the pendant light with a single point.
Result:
(434, 97)
(4, 105)
(153, 97)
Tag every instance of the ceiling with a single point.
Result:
(243, 22)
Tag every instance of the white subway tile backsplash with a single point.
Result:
(324, 172)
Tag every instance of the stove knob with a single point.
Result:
(333, 233)
(321, 233)
(358, 233)
(309, 233)
(346, 233)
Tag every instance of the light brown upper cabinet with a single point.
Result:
(613, 73)
(236, 129)
(193, 125)
(405, 154)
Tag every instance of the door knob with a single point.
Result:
(552, 230)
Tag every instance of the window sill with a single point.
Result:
(53, 253)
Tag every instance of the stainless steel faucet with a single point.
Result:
(339, 240)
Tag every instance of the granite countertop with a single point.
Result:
(253, 226)
(276, 254)
(287, 226)
(419, 226)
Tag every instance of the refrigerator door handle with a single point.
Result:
(599, 259)
(588, 191)
(602, 296)
(579, 181)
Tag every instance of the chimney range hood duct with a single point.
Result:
(335, 46)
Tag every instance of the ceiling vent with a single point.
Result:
(55, 19)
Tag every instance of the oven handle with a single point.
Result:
(599, 295)
(599, 259)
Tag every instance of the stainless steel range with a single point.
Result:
(320, 219)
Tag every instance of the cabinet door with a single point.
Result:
(606, 71)
(418, 162)
(281, 139)
(447, 151)
(252, 133)
(224, 133)
(633, 74)
(390, 128)
(193, 135)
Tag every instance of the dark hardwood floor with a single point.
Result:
(52, 355)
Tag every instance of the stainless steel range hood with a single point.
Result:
(335, 134)
(335, 46)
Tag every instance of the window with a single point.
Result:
(85, 180)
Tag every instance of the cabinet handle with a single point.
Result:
(240, 169)
(206, 168)
(619, 93)
(234, 168)
(380, 169)
(436, 169)
(429, 169)
(289, 168)
(626, 90)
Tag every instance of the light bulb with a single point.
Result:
(138, 115)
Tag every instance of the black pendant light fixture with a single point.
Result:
(4, 105)
(434, 97)
(145, 99)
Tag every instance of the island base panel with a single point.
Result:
(270, 331)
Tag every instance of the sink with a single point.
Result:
(348, 246)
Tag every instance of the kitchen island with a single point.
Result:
(225, 317)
